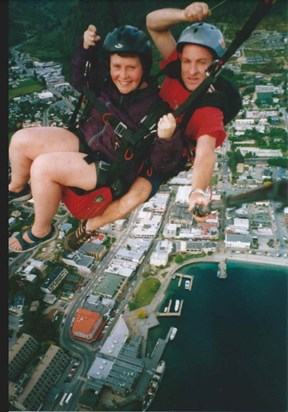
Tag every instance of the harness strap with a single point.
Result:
(134, 145)
(132, 137)
(261, 10)
(136, 156)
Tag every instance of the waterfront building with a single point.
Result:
(236, 240)
(118, 365)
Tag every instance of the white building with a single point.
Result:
(161, 254)
(45, 95)
(170, 230)
(238, 241)
(183, 194)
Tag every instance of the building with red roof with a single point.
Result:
(87, 325)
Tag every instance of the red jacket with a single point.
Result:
(204, 120)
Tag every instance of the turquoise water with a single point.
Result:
(230, 351)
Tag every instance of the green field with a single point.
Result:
(145, 293)
(26, 87)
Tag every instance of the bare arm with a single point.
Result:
(159, 22)
(202, 170)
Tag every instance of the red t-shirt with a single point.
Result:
(204, 121)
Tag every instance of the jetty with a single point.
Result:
(182, 276)
(222, 270)
(169, 312)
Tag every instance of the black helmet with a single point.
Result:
(129, 39)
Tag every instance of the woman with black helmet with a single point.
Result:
(198, 46)
(57, 157)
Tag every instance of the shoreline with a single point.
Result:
(268, 260)
(152, 321)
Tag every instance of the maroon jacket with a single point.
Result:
(99, 135)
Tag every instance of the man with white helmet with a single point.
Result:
(198, 46)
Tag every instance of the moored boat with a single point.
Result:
(154, 385)
(177, 305)
(173, 333)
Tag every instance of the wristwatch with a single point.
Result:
(197, 190)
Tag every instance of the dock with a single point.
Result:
(151, 362)
(170, 313)
(183, 276)
(222, 271)
(158, 350)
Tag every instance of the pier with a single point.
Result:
(151, 362)
(222, 271)
(187, 277)
(170, 313)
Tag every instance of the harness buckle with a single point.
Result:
(120, 129)
(104, 166)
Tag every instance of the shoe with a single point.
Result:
(76, 239)
(25, 194)
(36, 241)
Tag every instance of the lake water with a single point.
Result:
(230, 351)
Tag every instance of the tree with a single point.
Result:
(179, 259)
(142, 314)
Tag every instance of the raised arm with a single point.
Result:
(160, 21)
(87, 62)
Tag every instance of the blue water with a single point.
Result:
(230, 351)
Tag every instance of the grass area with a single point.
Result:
(267, 68)
(145, 293)
(43, 46)
(26, 87)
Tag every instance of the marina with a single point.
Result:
(178, 305)
(188, 278)
(177, 309)
(261, 281)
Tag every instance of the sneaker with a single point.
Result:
(25, 194)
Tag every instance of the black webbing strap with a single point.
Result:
(261, 10)
(132, 137)
(73, 119)
(134, 145)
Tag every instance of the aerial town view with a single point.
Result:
(112, 325)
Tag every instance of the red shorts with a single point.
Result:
(88, 205)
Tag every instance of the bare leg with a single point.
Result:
(49, 172)
(27, 144)
(118, 209)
